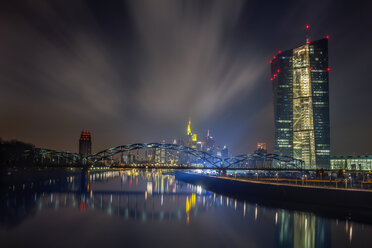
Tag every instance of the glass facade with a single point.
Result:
(351, 162)
(282, 76)
(303, 121)
(301, 103)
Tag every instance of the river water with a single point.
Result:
(150, 208)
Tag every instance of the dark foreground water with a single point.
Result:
(73, 208)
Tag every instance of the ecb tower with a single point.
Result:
(301, 103)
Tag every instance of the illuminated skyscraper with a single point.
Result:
(192, 138)
(189, 128)
(225, 152)
(210, 144)
(85, 143)
(301, 103)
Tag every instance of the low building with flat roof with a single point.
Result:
(363, 162)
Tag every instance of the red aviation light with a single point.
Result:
(327, 37)
(310, 68)
(328, 69)
(308, 42)
(274, 75)
(278, 70)
(307, 26)
(279, 51)
(270, 61)
(271, 79)
(274, 57)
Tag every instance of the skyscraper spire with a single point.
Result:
(189, 128)
(307, 34)
(208, 133)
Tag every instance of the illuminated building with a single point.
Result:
(301, 103)
(352, 162)
(182, 157)
(161, 155)
(200, 145)
(174, 156)
(207, 145)
(259, 161)
(225, 152)
(191, 142)
(261, 148)
(85, 144)
(210, 144)
(221, 151)
(189, 128)
(192, 139)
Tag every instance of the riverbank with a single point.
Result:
(350, 203)
(34, 178)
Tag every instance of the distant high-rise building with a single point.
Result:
(225, 152)
(261, 148)
(192, 138)
(189, 128)
(85, 144)
(159, 154)
(174, 156)
(301, 103)
(210, 144)
(200, 145)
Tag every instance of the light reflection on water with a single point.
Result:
(191, 214)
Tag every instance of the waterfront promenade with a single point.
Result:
(339, 201)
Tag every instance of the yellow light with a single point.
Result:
(193, 200)
(187, 206)
(194, 137)
(189, 128)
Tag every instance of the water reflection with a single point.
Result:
(155, 196)
(302, 230)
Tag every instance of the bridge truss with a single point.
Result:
(210, 160)
(52, 157)
(262, 160)
(245, 161)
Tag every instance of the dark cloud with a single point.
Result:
(133, 71)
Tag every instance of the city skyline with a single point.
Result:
(59, 78)
(185, 123)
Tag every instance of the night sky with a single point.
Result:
(136, 71)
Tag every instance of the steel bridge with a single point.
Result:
(206, 160)
(50, 157)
